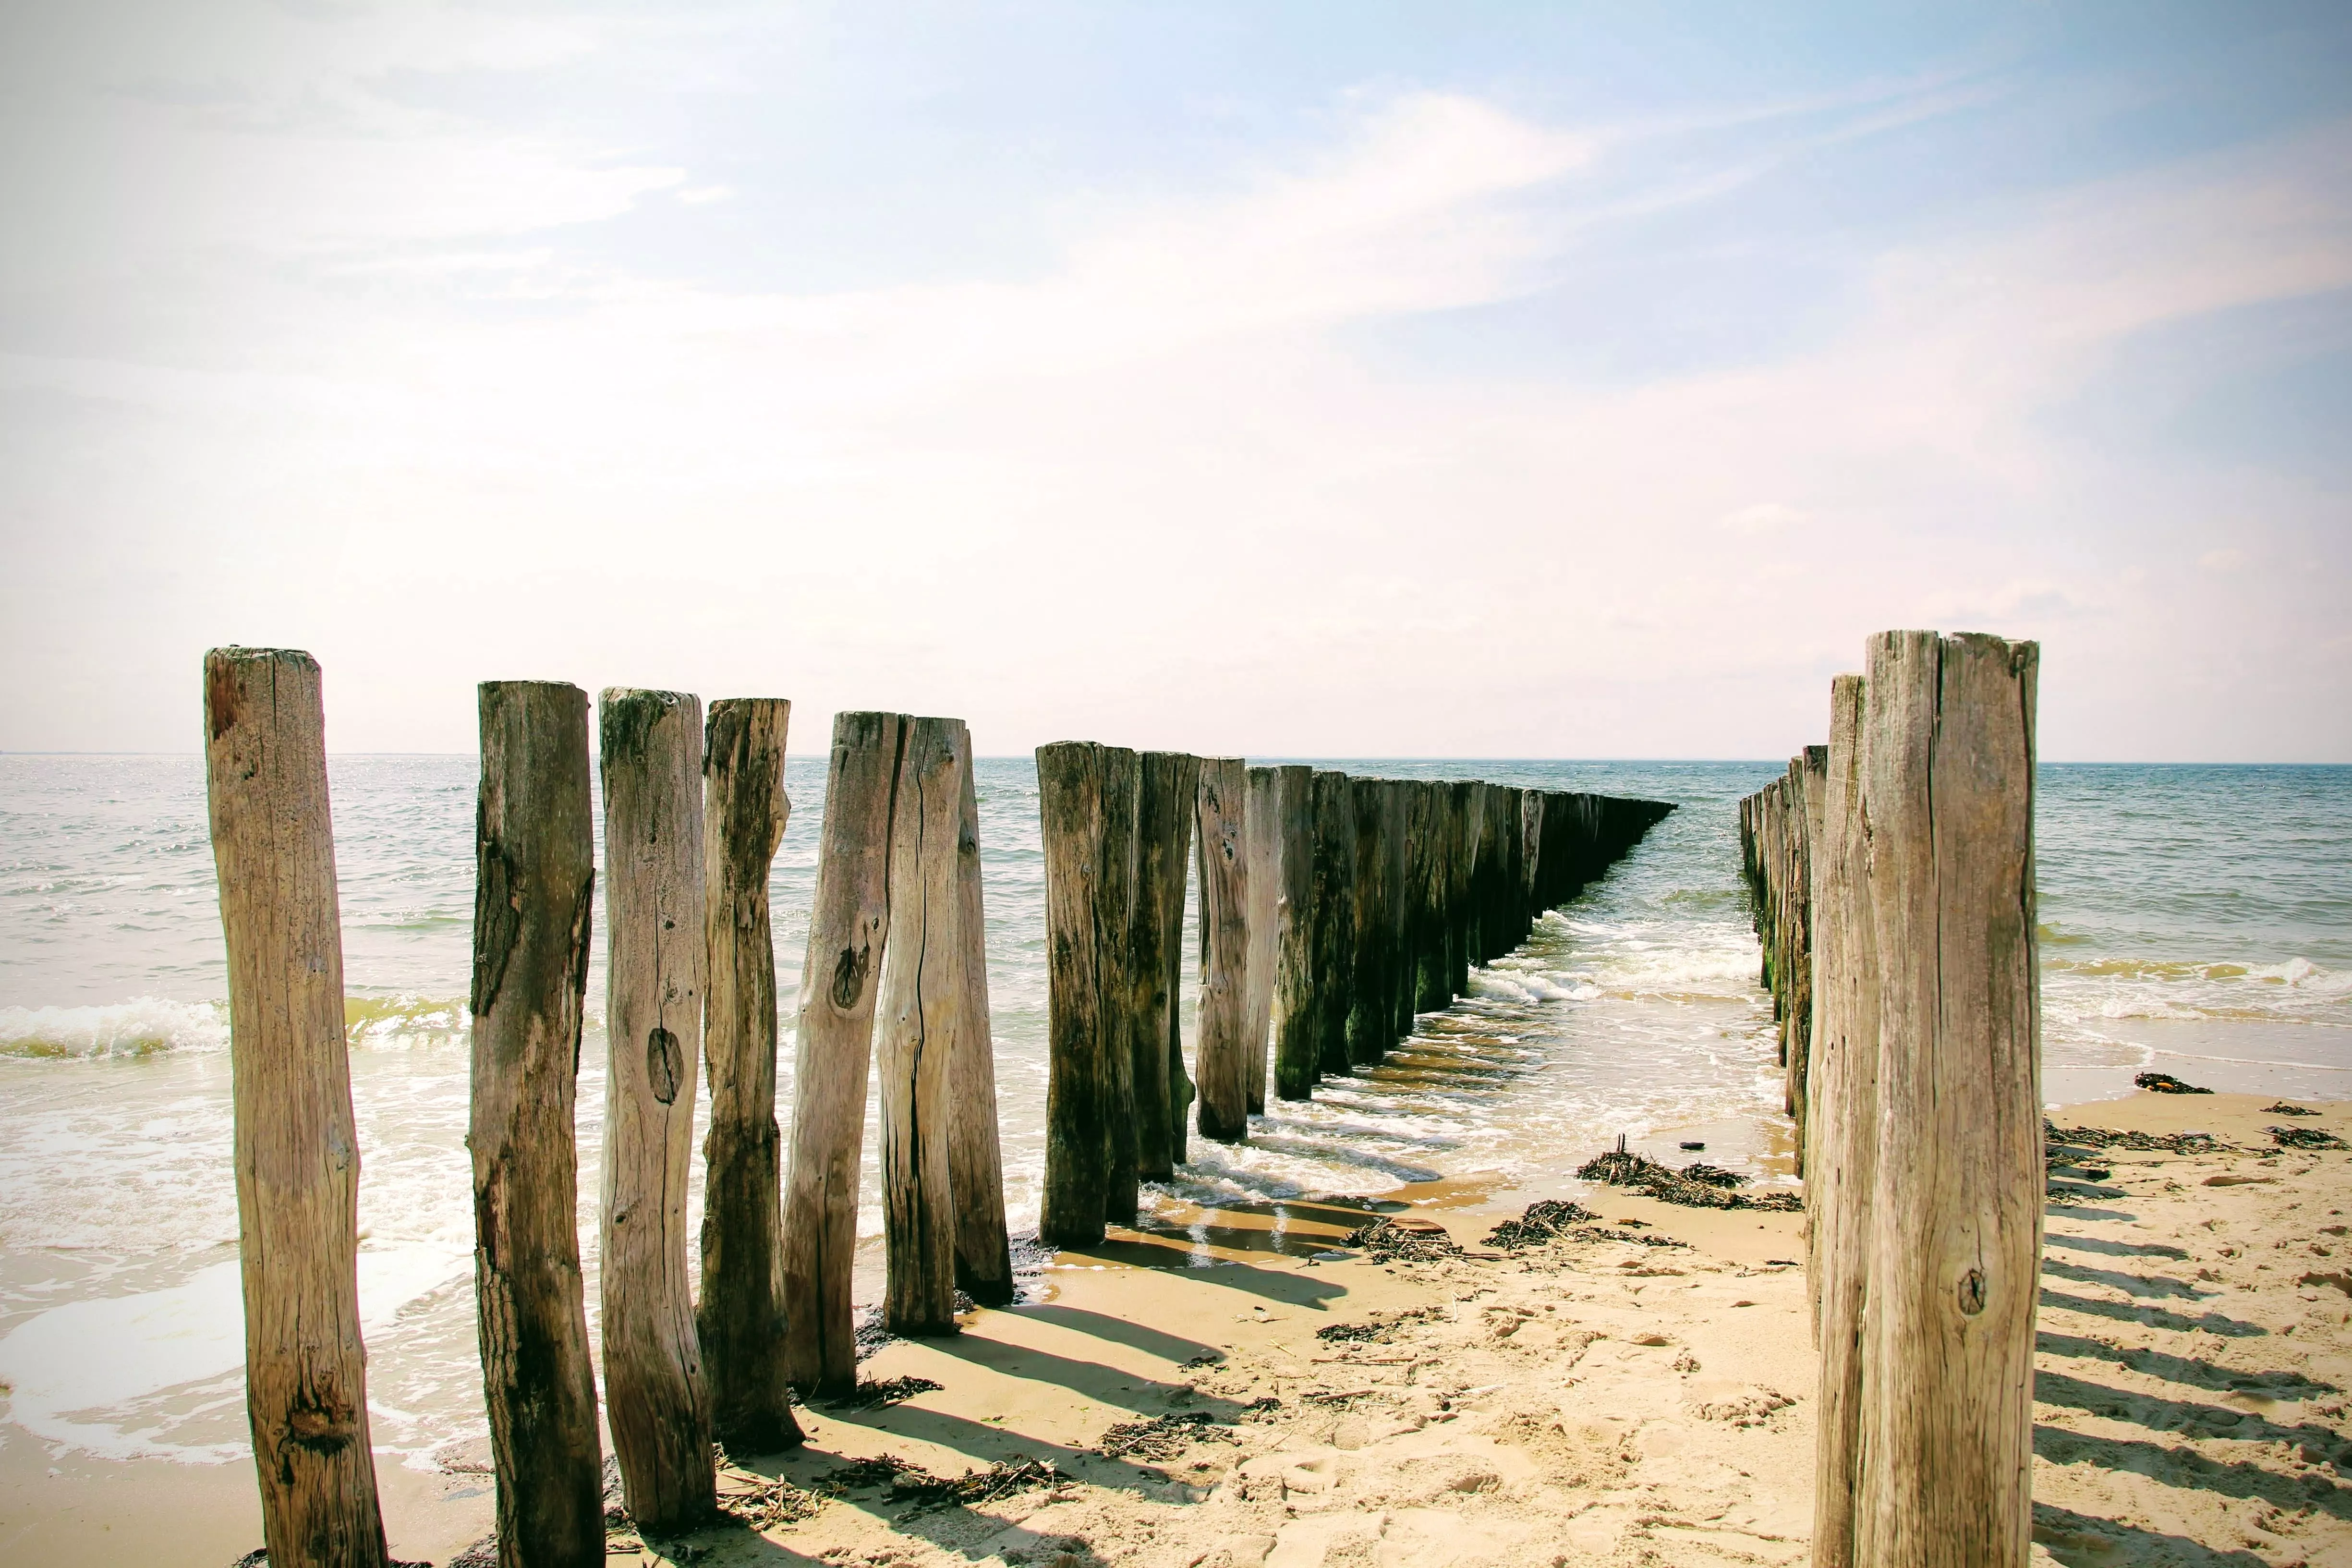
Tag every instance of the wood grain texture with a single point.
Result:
(1222, 1055)
(917, 1009)
(655, 1402)
(1115, 965)
(849, 920)
(294, 1146)
(1843, 1130)
(1077, 1080)
(1164, 804)
(975, 1152)
(1295, 1043)
(1181, 1088)
(1263, 818)
(534, 884)
(1948, 788)
(741, 1318)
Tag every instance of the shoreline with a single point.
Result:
(1583, 1401)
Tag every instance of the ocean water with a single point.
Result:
(2197, 921)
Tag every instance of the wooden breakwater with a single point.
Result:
(1333, 909)
(1892, 872)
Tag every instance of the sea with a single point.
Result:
(2194, 920)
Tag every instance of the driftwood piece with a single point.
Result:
(917, 1009)
(1955, 1240)
(849, 923)
(651, 758)
(1222, 1055)
(295, 1146)
(1264, 834)
(975, 1153)
(1078, 1083)
(535, 879)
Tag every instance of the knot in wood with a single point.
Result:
(1972, 1292)
(664, 1064)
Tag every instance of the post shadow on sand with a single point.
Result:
(2186, 1370)
(2191, 1470)
(1135, 1336)
(2113, 1249)
(2078, 1539)
(2153, 1316)
(2136, 1284)
(2158, 1413)
(1093, 1379)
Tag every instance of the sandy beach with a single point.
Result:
(1637, 1391)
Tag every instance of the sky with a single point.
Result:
(1347, 380)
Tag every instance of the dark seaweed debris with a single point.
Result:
(1377, 1331)
(889, 1390)
(2283, 1109)
(1542, 1222)
(2305, 1138)
(777, 1501)
(912, 1482)
(2164, 1083)
(1608, 1233)
(1163, 1437)
(1699, 1186)
(1412, 1241)
(2157, 1142)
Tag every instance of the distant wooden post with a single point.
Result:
(1806, 781)
(651, 758)
(1181, 1089)
(1223, 1056)
(296, 1148)
(919, 1005)
(1169, 781)
(1263, 822)
(1843, 1130)
(1116, 907)
(1296, 1043)
(1955, 1222)
(1532, 839)
(1371, 999)
(535, 877)
(1425, 828)
(741, 1318)
(1396, 797)
(1078, 1083)
(975, 1155)
(849, 922)
(1334, 919)
(1461, 868)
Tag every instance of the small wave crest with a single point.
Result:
(141, 1027)
(2296, 991)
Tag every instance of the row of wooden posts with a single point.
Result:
(1894, 889)
(1332, 909)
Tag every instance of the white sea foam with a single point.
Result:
(137, 1028)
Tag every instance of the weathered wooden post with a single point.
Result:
(918, 1006)
(651, 758)
(1295, 1045)
(849, 922)
(1805, 828)
(741, 1318)
(1955, 1222)
(1077, 1084)
(1371, 999)
(1115, 913)
(1842, 1131)
(1461, 865)
(1223, 1056)
(296, 1147)
(1164, 806)
(1263, 822)
(535, 877)
(1396, 798)
(1428, 820)
(1334, 919)
(1531, 868)
(975, 1154)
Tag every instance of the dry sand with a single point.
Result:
(1589, 1401)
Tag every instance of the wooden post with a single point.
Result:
(1262, 820)
(849, 922)
(1295, 1046)
(1115, 913)
(535, 877)
(742, 1316)
(1078, 1083)
(1334, 913)
(1181, 1090)
(296, 1147)
(1428, 820)
(1163, 837)
(1955, 1222)
(1843, 1130)
(1222, 1056)
(1531, 840)
(975, 1154)
(1461, 865)
(918, 1006)
(1371, 999)
(1396, 797)
(651, 758)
